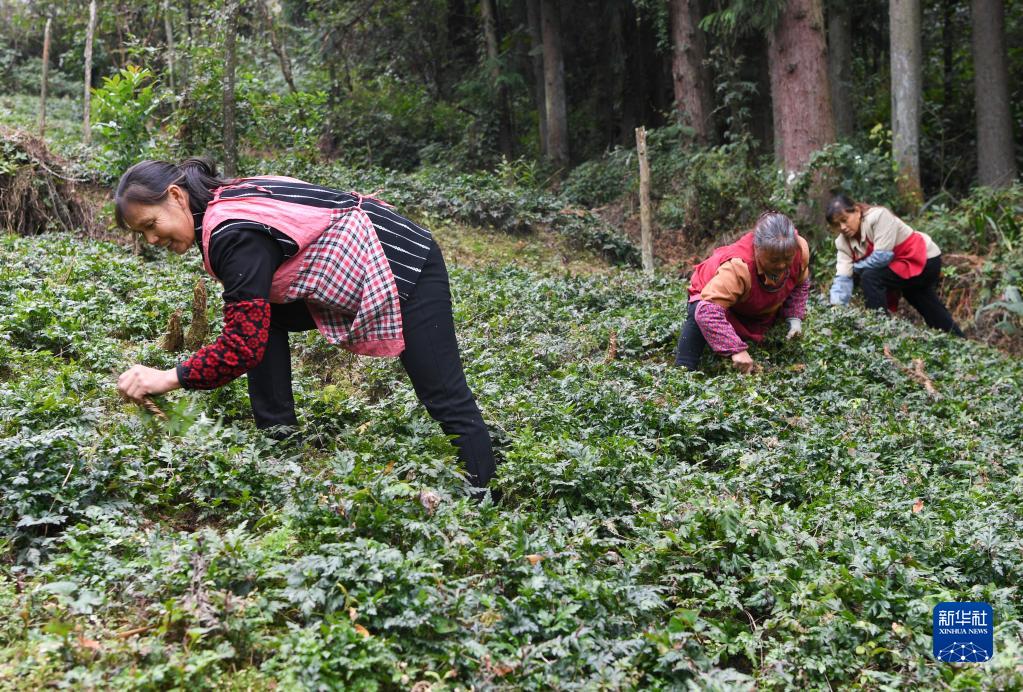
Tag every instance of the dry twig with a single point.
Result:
(151, 406)
(612, 347)
(916, 373)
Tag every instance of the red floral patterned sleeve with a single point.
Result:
(238, 349)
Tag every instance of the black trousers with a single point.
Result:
(690, 341)
(430, 358)
(919, 291)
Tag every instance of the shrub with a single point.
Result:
(383, 122)
(124, 107)
(869, 175)
(707, 192)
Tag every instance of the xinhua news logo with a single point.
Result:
(964, 632)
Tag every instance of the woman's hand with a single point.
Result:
(140, 381)
(742, 362)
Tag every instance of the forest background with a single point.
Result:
(659, 527)
(750, 105)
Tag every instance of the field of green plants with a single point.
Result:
(658, 529)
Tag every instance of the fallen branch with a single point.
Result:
(916, 373)
(127, 634)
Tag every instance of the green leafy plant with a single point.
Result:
(659, 529)
(124, 106)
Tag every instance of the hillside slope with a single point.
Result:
(785, 530)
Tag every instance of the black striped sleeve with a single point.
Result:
(405, 243)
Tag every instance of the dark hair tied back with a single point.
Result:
(839, 204)
(147, 182)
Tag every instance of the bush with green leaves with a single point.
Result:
(124, 110)
(865, 174)
(660, 528)
(988, 219)
(26, 75)
(705, 192)
(483, 199)
(383, 122)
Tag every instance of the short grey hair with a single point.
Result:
(774, 232)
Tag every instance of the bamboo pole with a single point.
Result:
(645, 219)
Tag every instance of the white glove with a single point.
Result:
(795, 328)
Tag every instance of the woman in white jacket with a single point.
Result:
(891, 260)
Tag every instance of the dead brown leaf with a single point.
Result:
(86, 643)
(429, 500)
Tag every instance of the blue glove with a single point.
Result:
(841, 290)
(876, 260)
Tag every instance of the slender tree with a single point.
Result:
(168, 28)
(536, 58)
(906, 57)
(800, 95)
(230, 62)
(280, 50)
(90, 33)
(488, 14)
(693, 100)
(840, 66)
(622, 89)
(996, 162)
(45, 76)
(554, 83)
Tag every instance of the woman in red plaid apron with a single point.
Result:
(293, 256)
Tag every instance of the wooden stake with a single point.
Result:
(46, 68)
(646, 237)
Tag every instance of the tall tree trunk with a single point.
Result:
(536, 55)
(230, 61)
(489, 17)
(906, 57)
(947, 76)
(947, 56)
(554, 83)
(169, 29)
(840, 66)
(45, 77)
(278, 46)
(620, 86)
(693, 101)
(90, 33)
(996, 162)
(800, 95)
